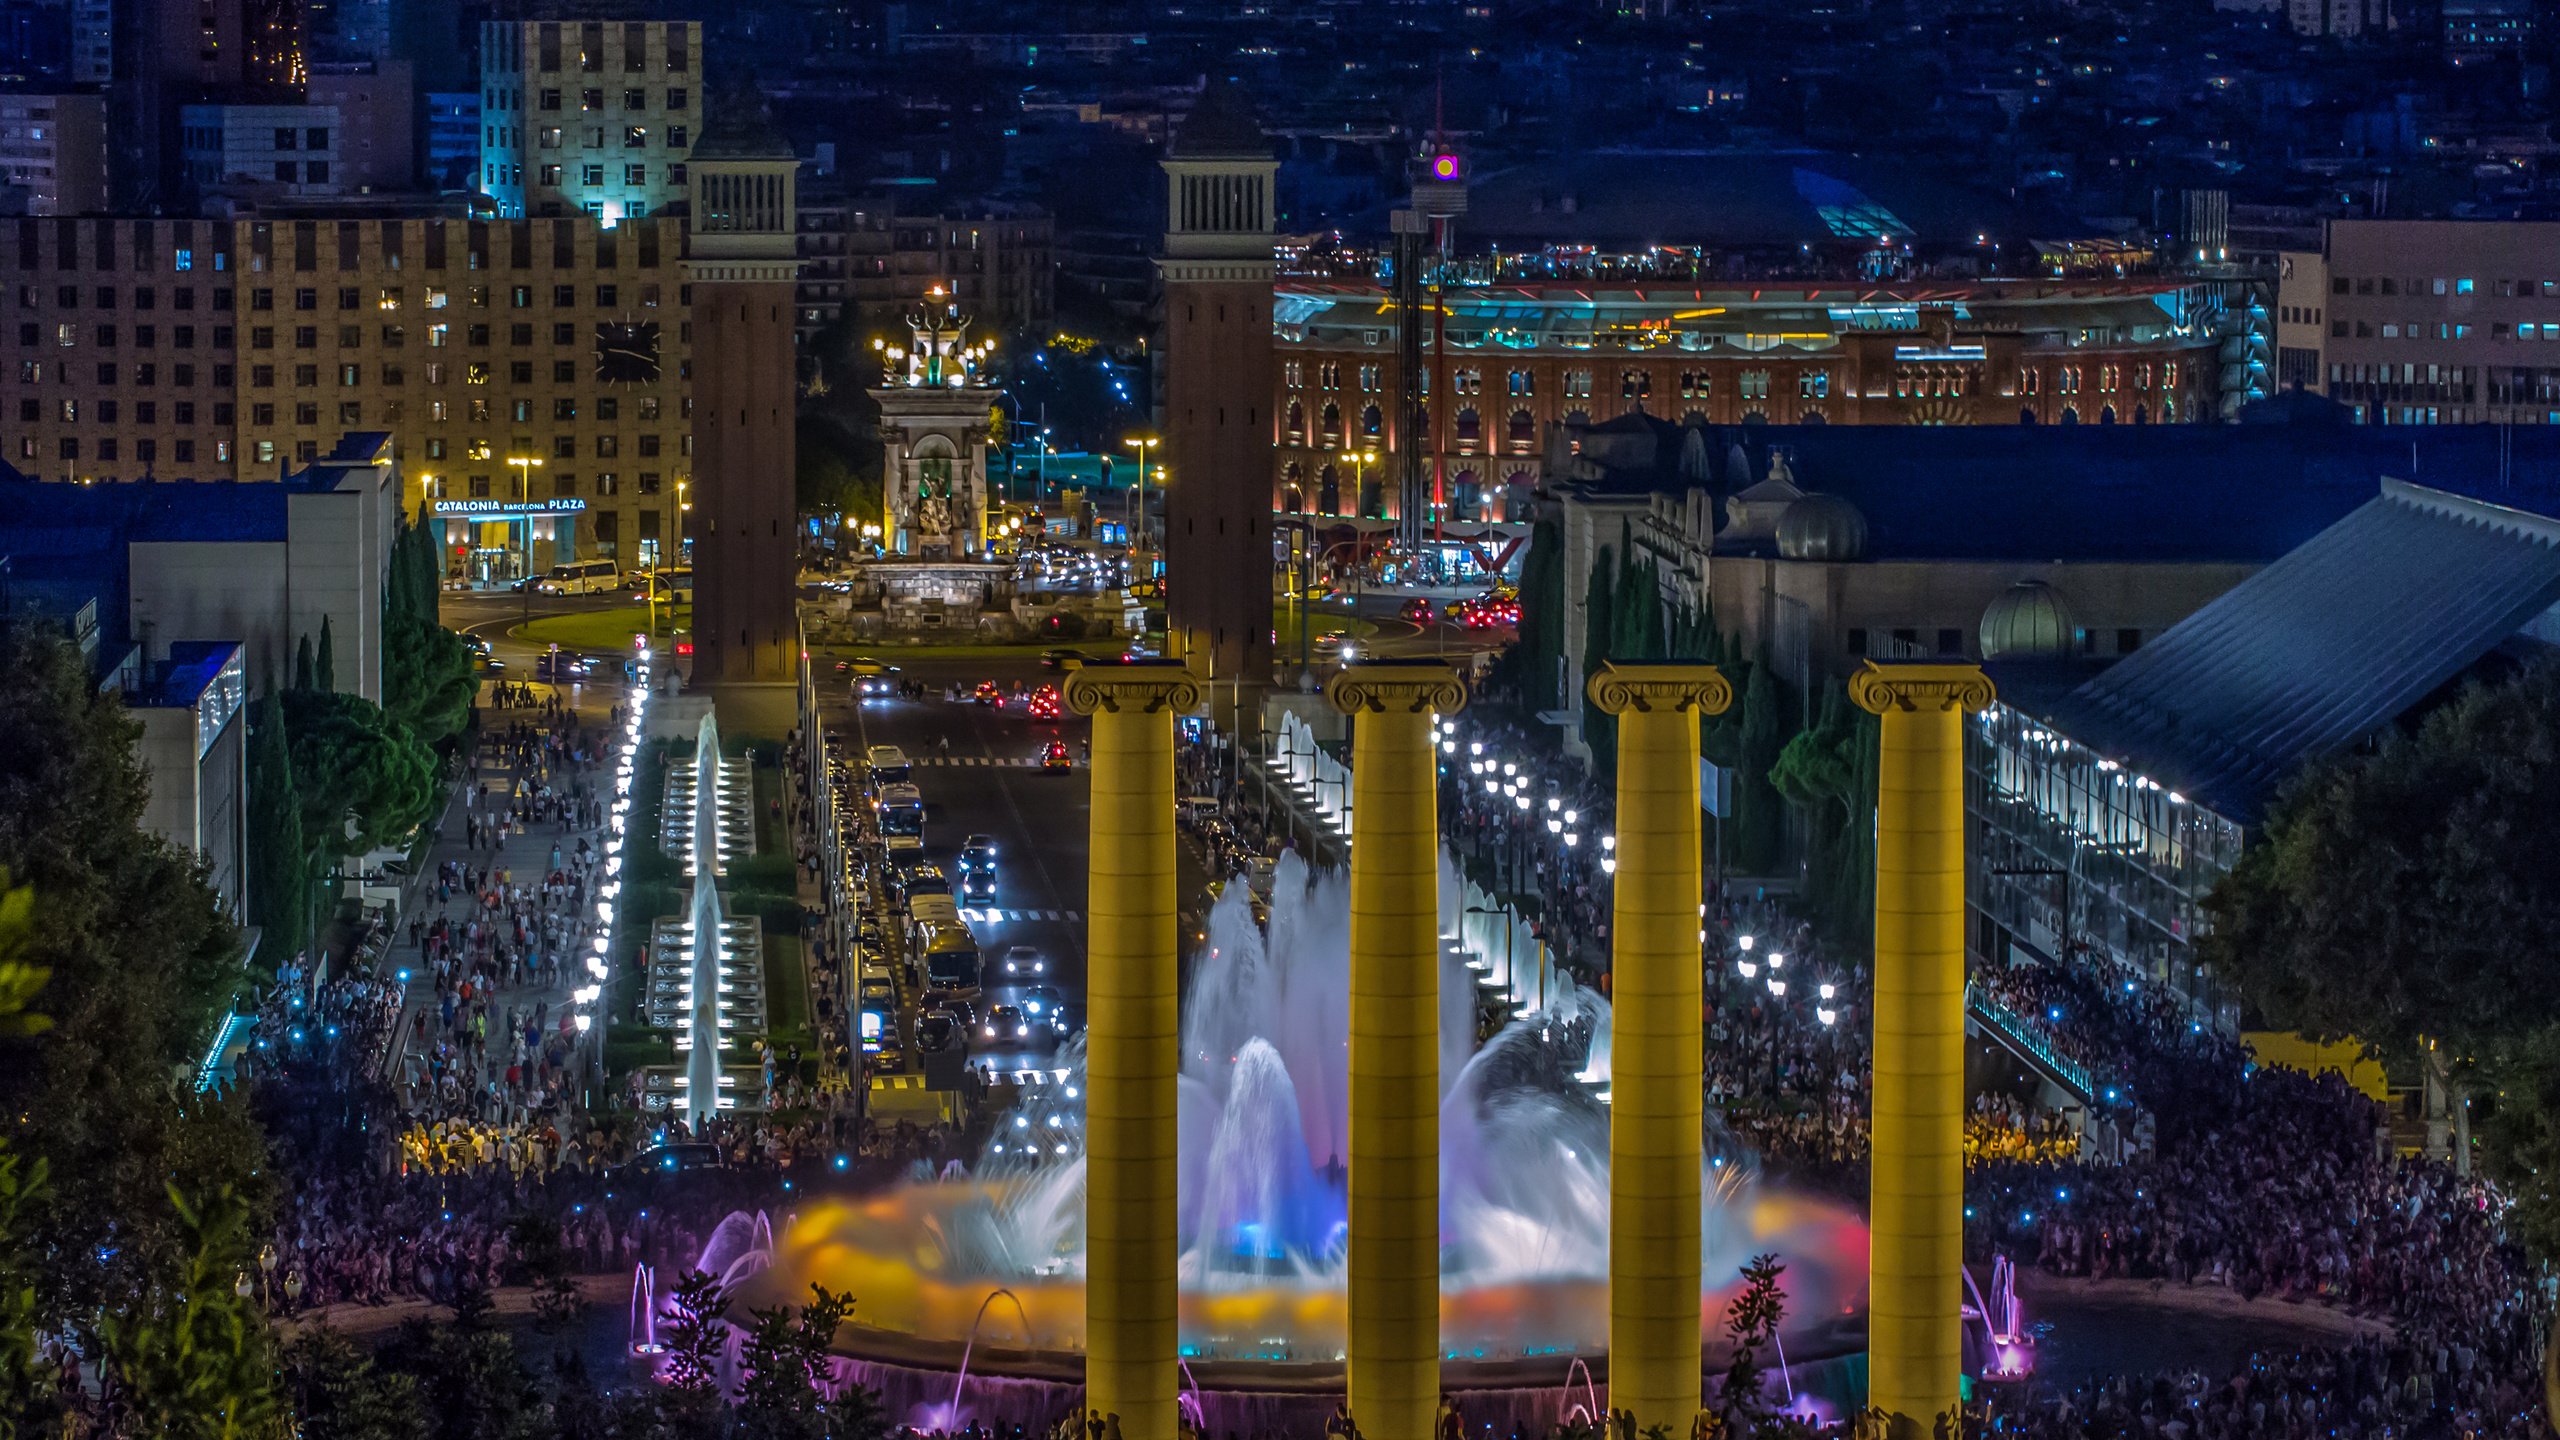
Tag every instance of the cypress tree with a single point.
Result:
(1598, 626)
(1756, 802)
(304, 665)
(324, 673)
(277, 867)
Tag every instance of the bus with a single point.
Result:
(940, 940)
(666, 586)
(899, 811)
(887, 765)
(585, 577)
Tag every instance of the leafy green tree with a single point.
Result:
(838, 469)
(2402, 897)
(142, 962)
(364, 779)
(30, 1398)
(428, 681)
(338, 1391)
(324, 674)
(695, 1336)
(471, 1372)
(1750, 1323)
(195, 1360)
(1830, 770)
(278, 858)
(788, 1370)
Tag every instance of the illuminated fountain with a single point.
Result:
(1263, 1127)
(706, 969)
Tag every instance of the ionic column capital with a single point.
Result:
(1648, 689)
(1143, 687)
(1385, 687)
(1879, 689)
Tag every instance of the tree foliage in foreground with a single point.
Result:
(142, 963)
(2406, 895)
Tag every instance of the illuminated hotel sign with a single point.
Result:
(508, 509)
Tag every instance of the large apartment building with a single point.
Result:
(532, 374)
(2426, 322)
(865, 252)
(588, 117)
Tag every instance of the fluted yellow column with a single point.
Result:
(1657, 1109)
(1395, 1042)
(1132, 1050)
(1917, 1197)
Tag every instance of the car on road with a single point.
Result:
(977, 887)
(926, 880)
(938, 1031)
(962, 1013)
(1021, 962)
(1046, 703)
(978, 852)
(1006, 1022)
(561, 665)
(1331, 644)
(988, 693)
(1054, 758)
(680, 1158)
(1060, 659)
(1047, 1007)
(478, 645)
(1420, 611)
(874, 682)
(877, 990)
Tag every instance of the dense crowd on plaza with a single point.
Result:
(2269, 1184)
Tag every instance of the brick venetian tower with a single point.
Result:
(1217, 370)
(740, 261)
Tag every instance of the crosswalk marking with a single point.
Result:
(993, 916)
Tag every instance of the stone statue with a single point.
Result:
(933, 516)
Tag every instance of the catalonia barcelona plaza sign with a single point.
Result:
(508, 509)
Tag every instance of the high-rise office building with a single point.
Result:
(588, 117)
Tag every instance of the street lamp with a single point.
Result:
(524, 466)
(1141, 443)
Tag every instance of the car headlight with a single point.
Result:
(991, 1032)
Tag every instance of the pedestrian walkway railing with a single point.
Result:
(2027, 1038)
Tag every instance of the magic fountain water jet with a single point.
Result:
(705, 1031)
(1263, 1109)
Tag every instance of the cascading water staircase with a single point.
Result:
(706, 967)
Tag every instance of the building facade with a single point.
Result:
(2426, 322)
(219, 350)
(54, 147)
(376, 102)
(1508, 362)
(590, 117)
(260, 150)
(863, 253)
